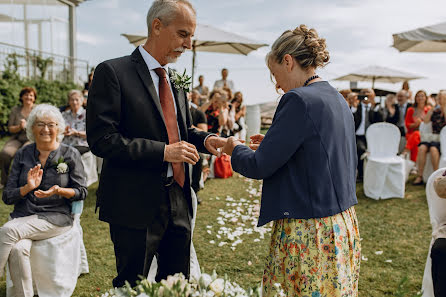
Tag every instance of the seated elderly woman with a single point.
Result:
(75, 121)
(16, 126)
(45, 178)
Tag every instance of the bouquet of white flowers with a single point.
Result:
(178, 286)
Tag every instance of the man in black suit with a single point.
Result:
(138, 120)
(398, 118)
(364, 115)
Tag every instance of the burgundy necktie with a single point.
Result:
(170, 118)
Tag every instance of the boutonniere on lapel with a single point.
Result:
(61, 166)
(180, 81)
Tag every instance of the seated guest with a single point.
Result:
(199, 122)
(202, 90)
(16, 126)
(399, 117)
(367, 113)
(239, 110)
(389, 107)
(224, 82)
(75, 121)
(46, 176)
(352, 100)
(431, 143)
(216, 111)
(415, 115)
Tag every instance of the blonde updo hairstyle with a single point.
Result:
(303, 44)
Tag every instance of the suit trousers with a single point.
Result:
(361, 148)
(438, 255)
(168, 238)
(16, 238)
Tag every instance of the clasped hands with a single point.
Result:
(34, 179)
(232, 142)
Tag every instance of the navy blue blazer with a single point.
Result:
(307, 159)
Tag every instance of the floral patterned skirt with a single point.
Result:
(314, 257)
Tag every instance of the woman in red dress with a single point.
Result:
(414, 116)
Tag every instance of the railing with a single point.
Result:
(31, 63)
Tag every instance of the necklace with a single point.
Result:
(310, 79)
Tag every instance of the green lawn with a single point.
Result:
(398, 227)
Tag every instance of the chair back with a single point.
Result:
(437, 206)
(443, 141)
(383, 140)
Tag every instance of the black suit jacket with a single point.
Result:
(374, 116)
(125, 126)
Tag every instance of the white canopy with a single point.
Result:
(210, 39)
(379, 74)
(425, 39)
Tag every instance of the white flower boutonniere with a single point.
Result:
(181, 81)
(61, 166)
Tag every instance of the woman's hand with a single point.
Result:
(255, 141)
(231, 143)
(54, 190)
(23, 124)
(34, 177)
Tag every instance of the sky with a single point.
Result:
(358, 34)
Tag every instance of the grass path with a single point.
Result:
(399, 228)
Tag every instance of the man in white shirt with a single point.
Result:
(364, 115)
(224, 82)
(139, 122)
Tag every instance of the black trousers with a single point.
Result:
(361, 148)
(196, 175)
(168, 238)
(438, 255)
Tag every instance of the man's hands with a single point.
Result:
(181, 152)
(213, 143)
(255, 141)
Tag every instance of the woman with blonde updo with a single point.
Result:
(307, 161)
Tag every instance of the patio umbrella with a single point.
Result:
(378, 74)
(210, 39)
(425, 39)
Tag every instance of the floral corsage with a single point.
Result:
(181, 81)
(61, 166)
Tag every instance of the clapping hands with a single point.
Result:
(34, 177)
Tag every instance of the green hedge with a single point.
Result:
(52, 92)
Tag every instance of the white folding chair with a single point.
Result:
(437, 213)
(57, 262)
(428, 168)
(442, 148)
(384, 172)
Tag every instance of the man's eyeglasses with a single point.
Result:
(51, 126)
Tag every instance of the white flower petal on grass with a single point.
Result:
(256, 240)
(363, 258)
(222, 243)
(379, 252)
(209, 232)
(212, 242)
(249, 263)
(388, 261)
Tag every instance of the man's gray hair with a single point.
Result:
(45, 111)
(404, 93)
(164, 10)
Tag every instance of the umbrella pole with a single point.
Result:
(193, 63)
(373, 83)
